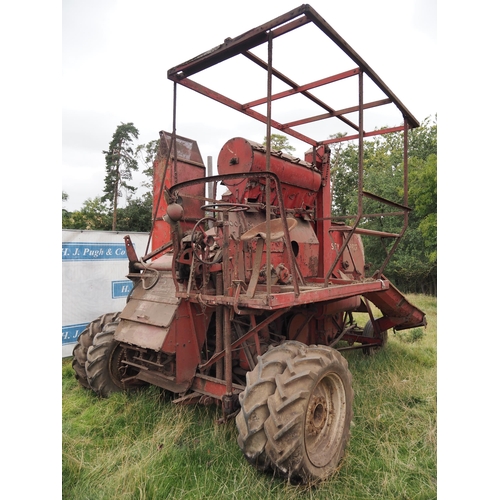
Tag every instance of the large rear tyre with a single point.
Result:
(84, 342)
(310, 415)
(106, 372)
(261, 383)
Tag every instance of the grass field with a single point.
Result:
(140, 446)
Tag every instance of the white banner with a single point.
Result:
(94, 269)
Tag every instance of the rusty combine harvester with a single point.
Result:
(247, 299)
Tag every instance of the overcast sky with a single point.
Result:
(116, 55)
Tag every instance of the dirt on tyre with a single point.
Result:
(106, 367)
(261, 384)
(310, 414)
(84, 342)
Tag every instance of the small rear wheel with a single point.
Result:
(106, 367)
(369, 331)
(310, 415)
(84, 342)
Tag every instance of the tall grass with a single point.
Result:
(141, 446)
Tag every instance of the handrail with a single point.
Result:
(171, 196)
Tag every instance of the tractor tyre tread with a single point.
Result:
(84, 341)
(290, 416)
(98, 362)
(260, 385)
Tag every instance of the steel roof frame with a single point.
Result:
(267, 32)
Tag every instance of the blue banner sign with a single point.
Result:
(93, 251)
(70, 333)
(120, 288)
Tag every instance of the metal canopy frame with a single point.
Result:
(266, 33)
(269, 31)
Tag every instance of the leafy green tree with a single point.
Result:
(65, 213)
(280, 143)
(137, 215)
(147, 155)
(94, 215)
(120, 162)
(413, 266)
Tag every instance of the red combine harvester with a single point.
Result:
(247, 298)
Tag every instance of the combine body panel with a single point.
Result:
(300, 181)
(248, 296)
(177, 161)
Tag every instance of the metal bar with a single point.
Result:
(367, 216)
(344, 46)
(228, 359)
(268, 161)
(233, 46)
(302, 88)
(209, 386)
(257, 36)
(290, 82)
(365, 134)
(405, 201)
(360, 147)
(219, 319)
(360, 184)
(337, 113)
(360, 181)
(239, 107)
(367, 232)
(250, 333)
(388, 202)
(174, 135)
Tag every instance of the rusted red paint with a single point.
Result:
(262, 260)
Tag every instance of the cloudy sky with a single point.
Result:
(116, 55)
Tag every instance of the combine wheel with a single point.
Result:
(105, 372)
(84, 342)
(368, 331)
(261, 383)
(310, 415)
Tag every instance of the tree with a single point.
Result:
(94, 215)
(65, 214)
(279, 143)
(413, 267)
(120, 162)
(137, 215)
(147, 155)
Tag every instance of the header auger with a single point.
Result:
(248, 297)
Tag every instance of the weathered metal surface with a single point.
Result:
(177, 161)
(264, 260)
(300, 181)
(151, 308)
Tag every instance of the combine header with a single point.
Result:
(247, 298)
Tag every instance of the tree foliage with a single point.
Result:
(120, 162)
(94, 215)
(136, 215)
(146, 153)
(280, 143)
(97, 213)
(413, 266)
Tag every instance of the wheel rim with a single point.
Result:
(118, 370)
(325, 420)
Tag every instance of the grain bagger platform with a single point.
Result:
(247, 299)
